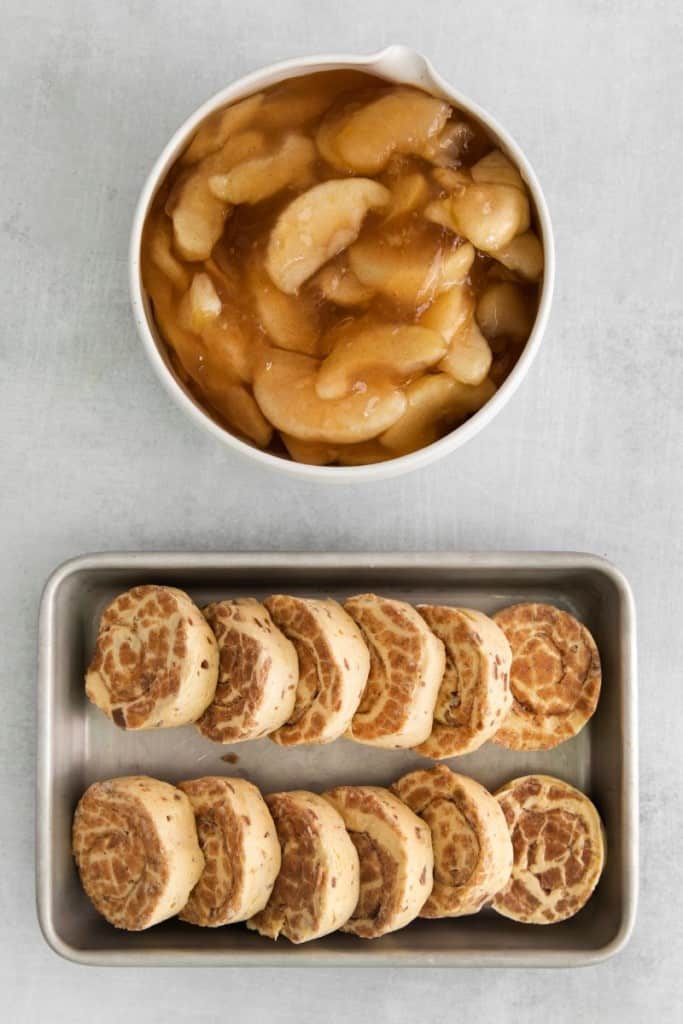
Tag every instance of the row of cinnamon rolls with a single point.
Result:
(434, 678)
(363, 859)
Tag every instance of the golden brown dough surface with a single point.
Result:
(555, 676)
(559, 850)
(240, 847)
(472, 848)
(317, 887)
(474, 696)
(155, 663)
(135, 846)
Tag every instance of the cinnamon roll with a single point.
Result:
(406, 669)
(472, 848)
(474, 696)
(333, 668)
(241, 851)
(559, 850)
(136, 849)
(396, 861)
(257, 676)
(156, 661)
(317, 888)
(555, 676)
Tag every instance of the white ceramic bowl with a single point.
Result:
(396, 64)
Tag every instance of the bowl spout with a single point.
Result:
(402, 64)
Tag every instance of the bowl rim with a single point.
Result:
(393, 60)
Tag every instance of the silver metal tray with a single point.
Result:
(78, 745)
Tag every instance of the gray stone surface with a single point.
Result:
(95, 456)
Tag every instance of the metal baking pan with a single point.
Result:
(78, 745)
